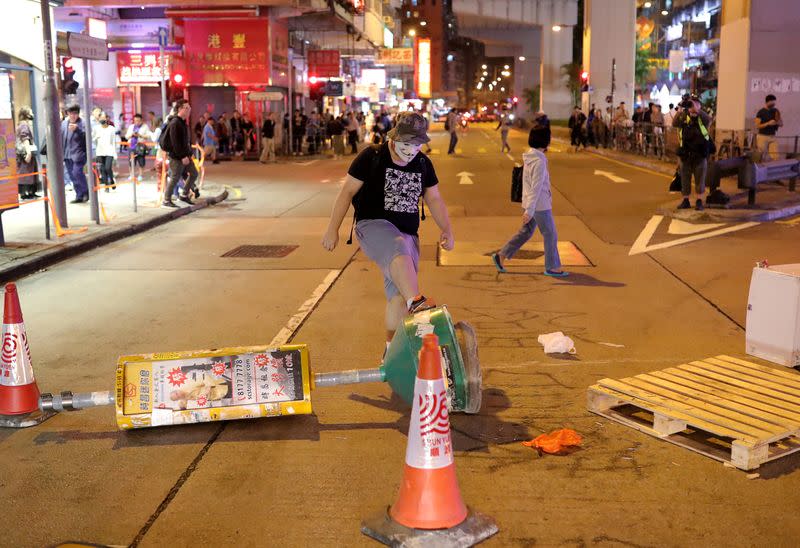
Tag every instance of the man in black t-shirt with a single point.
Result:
(767, 122)
(385, 184)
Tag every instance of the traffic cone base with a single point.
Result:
(428, 501)
(19, 400)
(476, 528)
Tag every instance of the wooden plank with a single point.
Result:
(711, 411)
(656, 408)
(760, 386)
(744, 373)
(690, 413)
(746, 457)
(665, 425)
(730, 392)
(743, 388)
(778, 371)
(729, 402)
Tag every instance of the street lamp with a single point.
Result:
(483, 67)
(506, 67)
(556, 28)
(485, 73)
(648, 4)
(412, 33)
(423, 23)
(522, 58)
(664, 12)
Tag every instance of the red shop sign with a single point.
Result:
(323, 63)
(232, 51)
(140, 68)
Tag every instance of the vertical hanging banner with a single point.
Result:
(422, 74)
(279, 52)
(227, 51)
(323, 63)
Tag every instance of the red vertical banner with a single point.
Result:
(227, 51)
(279, 52)
(128, 106)
(422, 72)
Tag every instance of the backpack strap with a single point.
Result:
(375, 164)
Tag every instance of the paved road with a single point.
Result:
(309, 480)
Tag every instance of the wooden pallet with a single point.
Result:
(725, 408)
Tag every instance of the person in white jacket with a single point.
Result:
(537, 206)
(105, 142)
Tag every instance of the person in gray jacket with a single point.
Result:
(73, 140)
(537, 206)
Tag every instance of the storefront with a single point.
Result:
(227, 59)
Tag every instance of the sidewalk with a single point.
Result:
(773, 200)
(28, 250)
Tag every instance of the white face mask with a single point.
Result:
(406, 151)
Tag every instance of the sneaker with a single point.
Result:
(556, 273)
(169, 203)
(185, 199)
(498, 262)
(698, 205)
(685, 204)
(420, 303)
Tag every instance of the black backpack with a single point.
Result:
(164, 140)
(516, 184)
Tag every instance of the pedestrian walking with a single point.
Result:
(385, 184)
(137, 135)
(224, 133)
(504, 126)
(336, 131)
(575, 124)
(268, 139)
(313, 134)
(73, 141)
(26, 159)
(537, 209)
(248, 133)
(599, 130)
(176, 142)
(695, 145)
(210, 141)
(767, 122)
(237, 134)
(451, 125)
(106, 144)
(352, 132)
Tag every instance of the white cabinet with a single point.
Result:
(773, 314)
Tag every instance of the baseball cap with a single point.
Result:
(410, 127)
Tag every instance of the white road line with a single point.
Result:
(310, 162)
(510, 157)
(641, 243)
(325, 181)
(305, 309)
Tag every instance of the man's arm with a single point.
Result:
(438, 209)
(340, 208)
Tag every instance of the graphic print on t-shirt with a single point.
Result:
(401, 191)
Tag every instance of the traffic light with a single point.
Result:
(68, 84)
(177, 83)
(316, 89)
(585, 80)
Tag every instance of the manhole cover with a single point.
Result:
(261, 251)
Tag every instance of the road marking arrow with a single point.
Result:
(464, 178)
(642, 243)
(611, 176)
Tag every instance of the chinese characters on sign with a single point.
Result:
(396, 56)
(140, 68)
(229, 51)
(323, 63)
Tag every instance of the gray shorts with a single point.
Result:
(381, 241)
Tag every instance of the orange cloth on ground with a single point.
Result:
(556, 441)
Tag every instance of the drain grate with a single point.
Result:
(261, 251)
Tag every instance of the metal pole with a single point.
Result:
(93, 204)
(291, 98)
(55, 150)
(613, 82)
(163, 87)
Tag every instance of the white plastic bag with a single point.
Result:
(557, 343)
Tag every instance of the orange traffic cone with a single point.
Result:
(18, 391)
(429, 506)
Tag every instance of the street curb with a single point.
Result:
(26, 266)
